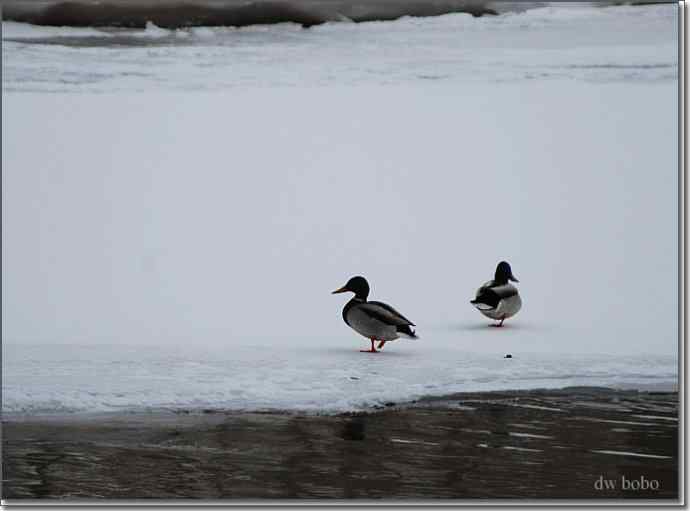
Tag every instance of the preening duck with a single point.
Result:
(498, 299)
(376, 321)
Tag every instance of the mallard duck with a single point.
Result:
(498, 299)
(376, 321)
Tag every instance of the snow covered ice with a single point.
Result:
(178, 205)
(324, 377)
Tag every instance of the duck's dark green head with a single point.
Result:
(357, 285)
(504, 273)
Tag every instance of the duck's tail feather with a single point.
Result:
(406, 331)
(482, 306)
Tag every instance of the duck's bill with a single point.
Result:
(513, 279)
(341, 290)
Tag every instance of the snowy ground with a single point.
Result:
(177, 208)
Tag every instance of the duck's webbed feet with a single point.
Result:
(372, 350)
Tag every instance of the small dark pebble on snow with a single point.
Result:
(508, 356)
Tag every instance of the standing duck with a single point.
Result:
(498, 299)
(376, 321)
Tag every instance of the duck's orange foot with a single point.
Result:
(499, 324)
(372, 350)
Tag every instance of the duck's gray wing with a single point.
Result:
(386, 313)
(505, 291)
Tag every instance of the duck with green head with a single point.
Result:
(377, 321)
(498, 299)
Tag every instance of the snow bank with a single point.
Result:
(565, 42)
